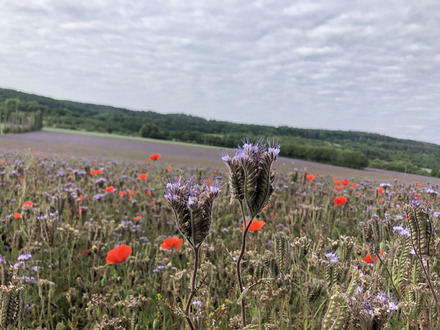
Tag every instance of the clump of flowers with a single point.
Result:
(192, 207)
(251, 182)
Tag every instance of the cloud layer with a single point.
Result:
(363, 65)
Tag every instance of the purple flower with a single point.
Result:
(24, 257)
(332, 256)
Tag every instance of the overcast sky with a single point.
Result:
(370, 65)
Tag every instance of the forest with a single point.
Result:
(343, 148)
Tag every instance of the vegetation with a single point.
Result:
(342, 148)
(13, 120)
(323, 253)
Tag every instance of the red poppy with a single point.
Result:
(110, 189)
(369, 259)
(310, 177)
(28, 204)
(85, 253)
(345, 182)
(169, 168)
(79, 210)
(354, 185)
(122, 193)
(255, 225)
(340, 200)
(416, 196)
(213, 175)
(418, 185)
(143, 176)
(207, 181)
(155, 157)
(80, 198)
(17, 215)
(149, 193)
(380, 190)
(339, 188)
(172, 242)
(152, 203)
(118, 254)
(137, 218)
(99, 172)
(382, 199)
(265, 208)
(335, 179)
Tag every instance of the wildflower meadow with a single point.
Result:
(98, 243)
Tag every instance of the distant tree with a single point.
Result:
(150, 131)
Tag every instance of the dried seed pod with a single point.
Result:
(281, 249)
(11, 305)
(421, 229)
(336, 316)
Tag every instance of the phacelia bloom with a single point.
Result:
(118, 254)
(17, 215)
(143, 176)
(332, 256)
(109, 189)
(192, 207)
(172, 242)
(310, 177)
(255, 225)
(27, 205)
(24, 257)
(250, 174)
(340, 200)
(155, 157)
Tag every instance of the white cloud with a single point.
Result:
(300, 63)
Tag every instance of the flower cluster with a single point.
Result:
(250, 174)
(192, 207)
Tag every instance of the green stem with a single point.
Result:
(243, 247)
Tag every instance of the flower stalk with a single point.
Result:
(251, 182)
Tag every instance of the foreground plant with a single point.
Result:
(422, 240)
(192, 208)
(251, 182)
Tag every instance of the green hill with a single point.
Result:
(343, 148)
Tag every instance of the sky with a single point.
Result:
(367, 65)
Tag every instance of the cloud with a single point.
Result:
(371, 66)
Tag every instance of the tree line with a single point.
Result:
(343, 148)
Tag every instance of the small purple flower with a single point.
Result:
(197, 303)
(24, 257)
(332, 256)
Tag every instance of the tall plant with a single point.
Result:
(251, 182)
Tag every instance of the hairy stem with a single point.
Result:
(193, 287)
(243, 247)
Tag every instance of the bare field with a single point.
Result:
(82, 145)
